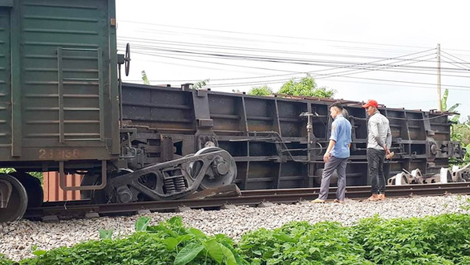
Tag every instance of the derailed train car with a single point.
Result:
(59, 110)
(62, 109)
(277, 142)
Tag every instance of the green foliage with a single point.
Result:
(302, 243)
(440, 239)
(432, 240)
(453, 118)
(194, 247)
(142, 223)
(306, 87)
(37, 175)
(145, 78)
(444, 102)
(139, 248)
(466, 206)
(169, 242)
(261, 91)
(461, 132)
(5, 261)
(36, 251)
(6, 170)
(106, 234)
(200, 84)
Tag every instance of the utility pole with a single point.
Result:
(439, 77)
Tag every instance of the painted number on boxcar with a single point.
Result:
(59, 154)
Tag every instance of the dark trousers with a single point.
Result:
(375, 160)
(340, 165)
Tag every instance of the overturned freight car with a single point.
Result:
(276, 142)
(62, 109)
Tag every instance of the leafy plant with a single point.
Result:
(261, 91)
(106, 234)
(452, 108)
(302, 243)
(306, 87)
(194, 247)
(466, 205)
(432, 240)
(142, 223)
(132, 250)
(169, 242)
(200, 84)
(36, 251)
(145, 78)
(440, 239)
(461, 132)
(6, 170)
(37, 175)
(5, 261)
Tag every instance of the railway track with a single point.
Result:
(84, 209)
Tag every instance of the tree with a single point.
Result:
(459, 131)
(454, 118)
(306, 87)
(200, 84)
(145, 78)
(261, 91)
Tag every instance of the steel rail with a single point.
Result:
(248, 197)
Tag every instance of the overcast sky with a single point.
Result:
(362, 49)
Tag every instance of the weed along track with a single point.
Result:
(21, 239)
(83, 209)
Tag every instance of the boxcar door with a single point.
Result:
(5, 67)
(67, 72)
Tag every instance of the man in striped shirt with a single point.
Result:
(379, 140)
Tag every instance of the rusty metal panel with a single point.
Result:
(52, 190)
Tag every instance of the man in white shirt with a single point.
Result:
(379, 140)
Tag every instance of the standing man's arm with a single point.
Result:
(333, 139)
(374, 129)
(350, 135)
(388, 141)
(327, 155)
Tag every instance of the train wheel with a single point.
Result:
(18, 201)
(33, 188)
(221, 172)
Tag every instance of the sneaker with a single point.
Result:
(381, 196)
(374, 197)
(338, 201)
(318, 201)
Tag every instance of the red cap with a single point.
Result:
(372, 103)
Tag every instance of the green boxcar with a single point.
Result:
(58, 82)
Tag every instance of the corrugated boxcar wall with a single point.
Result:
(52, 190)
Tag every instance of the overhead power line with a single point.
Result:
(270, 35)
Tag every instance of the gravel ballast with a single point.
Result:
(18, 238)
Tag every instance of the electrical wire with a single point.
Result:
(269, 35)
(193, 50)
